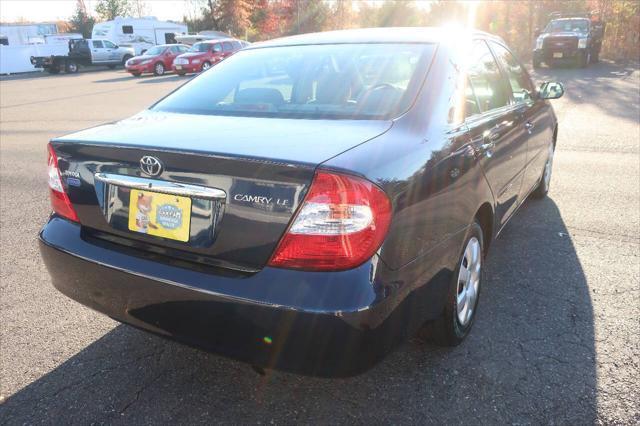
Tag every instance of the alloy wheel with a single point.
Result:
(159, 69)
(468, 281)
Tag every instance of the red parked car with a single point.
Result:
(205, 54)
(157, 60)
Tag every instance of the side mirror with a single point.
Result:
(551, 90)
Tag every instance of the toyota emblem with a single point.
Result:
(151, 165)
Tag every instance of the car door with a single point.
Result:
(494, 132)
(227, 49)
(98, 52)
(169, 55)
(111, 51)
(530, 115)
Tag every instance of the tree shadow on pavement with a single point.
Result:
(586, 85)
(529, 359)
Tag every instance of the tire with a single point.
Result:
(584, 59)
(71, 67)
(542, 189)
(454, 324)
(125, 58)
(205, 66)
(158, 69)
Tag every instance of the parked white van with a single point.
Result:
(139, 33)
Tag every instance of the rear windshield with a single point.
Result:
(154, 51)
(200, 47)
(354, 81)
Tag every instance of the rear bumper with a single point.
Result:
(327, 324)
(139, 69)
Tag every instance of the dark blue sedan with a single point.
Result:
(309, 202)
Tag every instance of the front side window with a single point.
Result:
(226, 46)
(108, 44)
(486, 81)
(521, 85)
(355, 81)
(97, 44)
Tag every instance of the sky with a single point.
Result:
(53, 10)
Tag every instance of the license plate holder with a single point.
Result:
(160, 215)
(557, 55)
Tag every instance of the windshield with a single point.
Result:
(568, 25)
(154, 51)
(356, 81)
(200, 47)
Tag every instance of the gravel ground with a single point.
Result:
(556, 339)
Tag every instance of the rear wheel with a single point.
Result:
(464, 291)
(206, 65)
(158, 69)
(545, 180)
(71, 67)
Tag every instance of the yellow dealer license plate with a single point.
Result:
(557, 54)
(162, 215)
(178, 67)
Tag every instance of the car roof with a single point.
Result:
(217, 40)
(577, 18)
(377, 35)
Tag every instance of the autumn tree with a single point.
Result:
(81, 22)
(108, 10)
(233, 16)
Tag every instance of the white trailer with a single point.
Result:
(139, 33)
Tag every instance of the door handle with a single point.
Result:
(489, 142)
(529, 126)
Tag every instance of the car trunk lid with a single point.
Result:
(262, 166)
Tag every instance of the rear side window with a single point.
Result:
(97, 44)
(217, 48)
(127, 29)
(236, 45)
(227, 46)
(521, 85)
(488, 84)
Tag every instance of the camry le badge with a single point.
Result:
(150, 165)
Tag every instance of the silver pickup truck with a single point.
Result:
(85, 52)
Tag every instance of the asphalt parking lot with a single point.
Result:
(557, 338)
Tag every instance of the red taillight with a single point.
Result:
(341, 223)
(59, 199)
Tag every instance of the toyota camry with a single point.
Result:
(309, 202)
